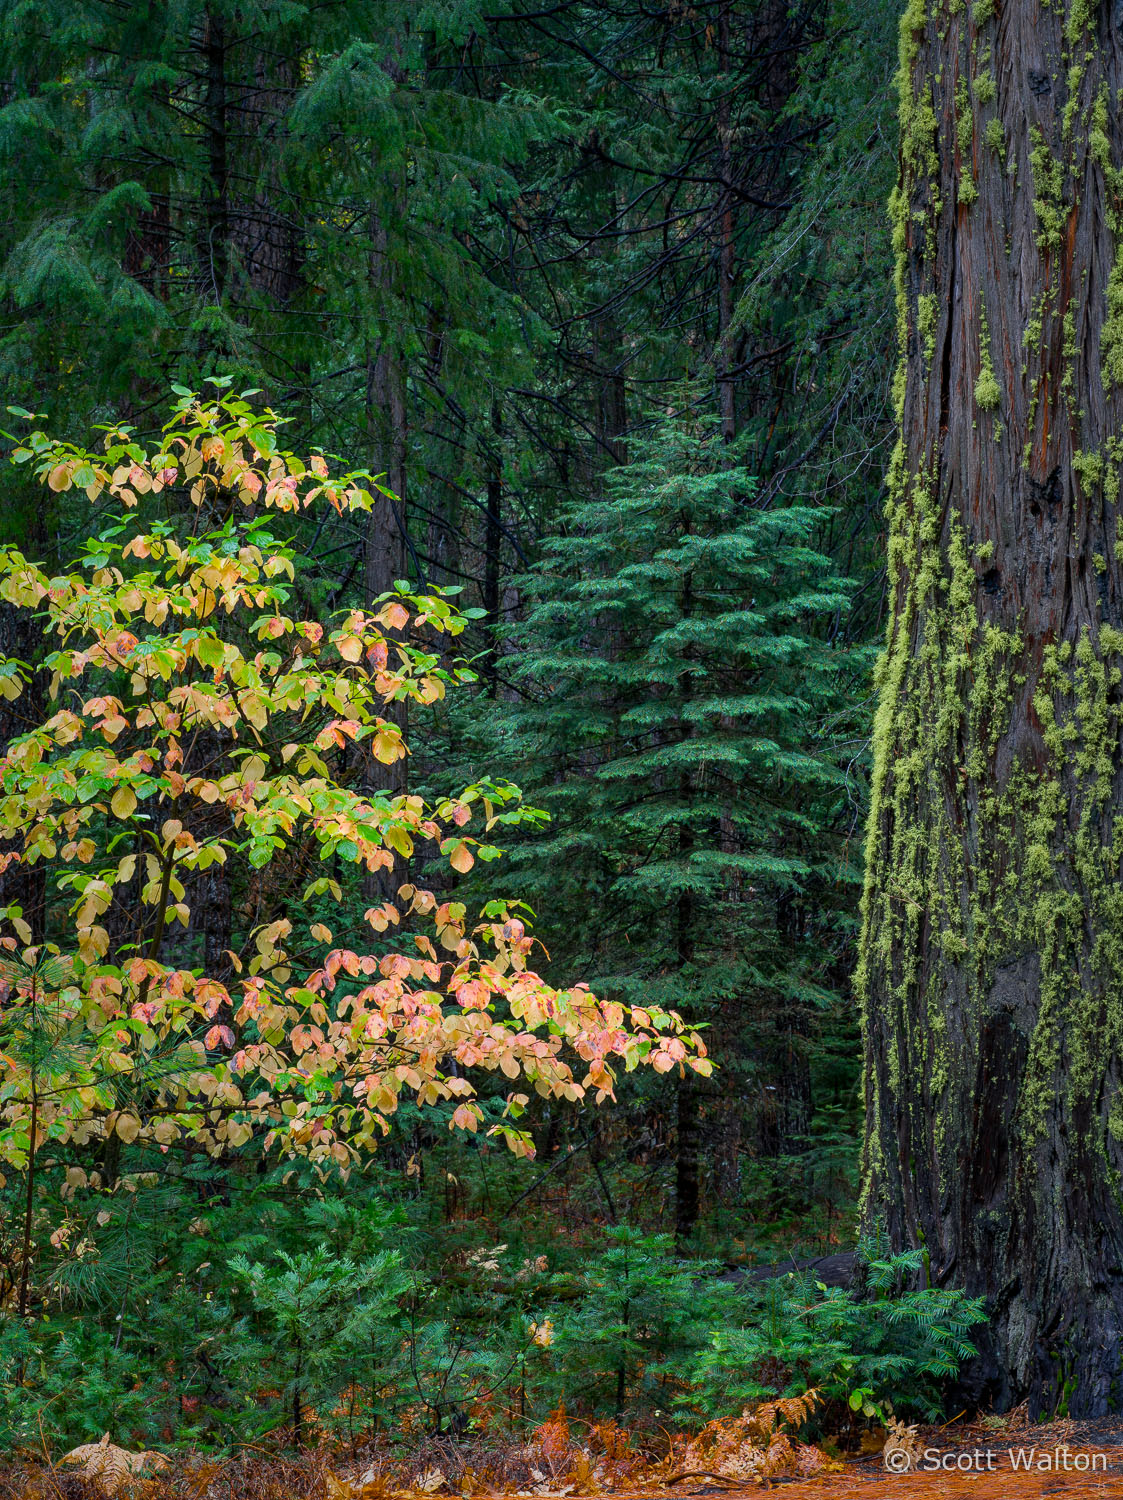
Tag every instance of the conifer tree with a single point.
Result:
(679, 671)
(283, 194)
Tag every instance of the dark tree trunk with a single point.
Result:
(688, 1124)
(992, 965)
(492, 541)
(726, 267)
(688, 1150)
(385, 544)
(21, 884)
(216, 250)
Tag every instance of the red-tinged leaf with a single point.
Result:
(394, 616)
(461, 858)
(282, 802)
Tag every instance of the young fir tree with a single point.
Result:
(679, 674)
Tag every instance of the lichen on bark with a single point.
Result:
(991, 961)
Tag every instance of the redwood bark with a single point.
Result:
(992, 959)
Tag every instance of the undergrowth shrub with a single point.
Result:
(219, 1307)
(890, 1346)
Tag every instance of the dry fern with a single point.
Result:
(903, 1440)
(753, 1447)
(115, 1469)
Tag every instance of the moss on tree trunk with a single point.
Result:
(992, 957)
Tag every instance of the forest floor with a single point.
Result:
(972, 1461)
(968, 1461)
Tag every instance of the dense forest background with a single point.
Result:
(605, 291)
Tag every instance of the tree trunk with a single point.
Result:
(21, 884)
(216, 250)
(992, 959)
(492, 543)
(688, 1151)
(688, 1112)
(384, 544)
(726, 262)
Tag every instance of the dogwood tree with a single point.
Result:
(200, 722)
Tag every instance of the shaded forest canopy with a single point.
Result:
(596, 300)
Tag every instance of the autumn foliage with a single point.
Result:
(199, 723)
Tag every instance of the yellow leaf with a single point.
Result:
(123, 801)
(387, 746)
(461, 858)
(399, 840)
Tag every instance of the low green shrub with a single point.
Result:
(212, 1308)
(891, 1345)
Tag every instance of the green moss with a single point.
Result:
(1111, 335)
(1068, 353)
(918, 140)
(987, 390)
(1072, 101)
(913, 22)
(982, 11)
(972, 856)
(985, 88)
(1048, 185)
(1080, 17)
(964, 121)
(927, 312)
(1035, 327)
(1089, 470)
(973, 861)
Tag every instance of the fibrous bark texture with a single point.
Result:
(992, 961)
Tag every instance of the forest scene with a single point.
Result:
(561, 728)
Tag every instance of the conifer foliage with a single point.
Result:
(678, 648)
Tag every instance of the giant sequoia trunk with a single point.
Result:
(992, 966)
